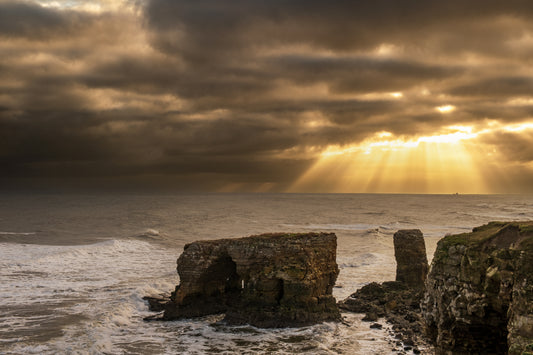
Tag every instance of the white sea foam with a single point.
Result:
(66, 285)
(358, 269)
(94, 293)
(17, 233)
(149, 234)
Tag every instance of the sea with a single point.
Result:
(74, 267)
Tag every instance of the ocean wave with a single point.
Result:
(379, 230)
(97, 288)
(329, 226)
(358, 261)
(149, 233)
(17, 233)
(374, 213)
(346, 227)
(82, 268)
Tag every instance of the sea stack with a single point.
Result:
(398, 301)
(411, 258)
(269, 280)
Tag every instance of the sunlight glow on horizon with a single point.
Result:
(428, 167)
(447, 162)
(461, 133)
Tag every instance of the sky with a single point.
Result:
(383, 96)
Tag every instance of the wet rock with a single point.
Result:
(479, 292)
(408, 341)
(375, 299)
(376, 326)
(370, 317)
(269, 280)
(157, 304)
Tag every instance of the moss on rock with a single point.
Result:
(479, 295)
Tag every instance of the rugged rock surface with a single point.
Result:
(397, 301)
(479, 291)
(393, 300)
(270, 280)
(411, 258)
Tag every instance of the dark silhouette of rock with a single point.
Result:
(269, 280)
(411, 258)
(157, 304)
(479, 292)
(376, 326)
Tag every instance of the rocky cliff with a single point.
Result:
(479, 291)
(270, 280)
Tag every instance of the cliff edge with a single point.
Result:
(479, 291)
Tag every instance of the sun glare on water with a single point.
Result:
(441, 163)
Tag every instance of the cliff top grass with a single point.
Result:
(518, 234)
(259, 239)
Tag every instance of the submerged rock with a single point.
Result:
(269, 280)
(479, 291)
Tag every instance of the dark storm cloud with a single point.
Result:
(517, 150)
(243, 91)
(135, 74)
(496, 87)
(360, 74)
(496, 111)
(77, 144)
(25, 19)
(516, 147)
(44, 136)
(343, 25)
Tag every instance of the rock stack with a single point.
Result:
(398, 301)
(411, 258)
(269, 280)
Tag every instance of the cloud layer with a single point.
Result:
(245, 95)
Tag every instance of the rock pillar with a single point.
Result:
(411, 258)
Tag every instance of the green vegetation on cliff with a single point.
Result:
(479, 292)
(481, 238)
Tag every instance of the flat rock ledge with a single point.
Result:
(268, 280)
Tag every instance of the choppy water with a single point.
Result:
(73, 269)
